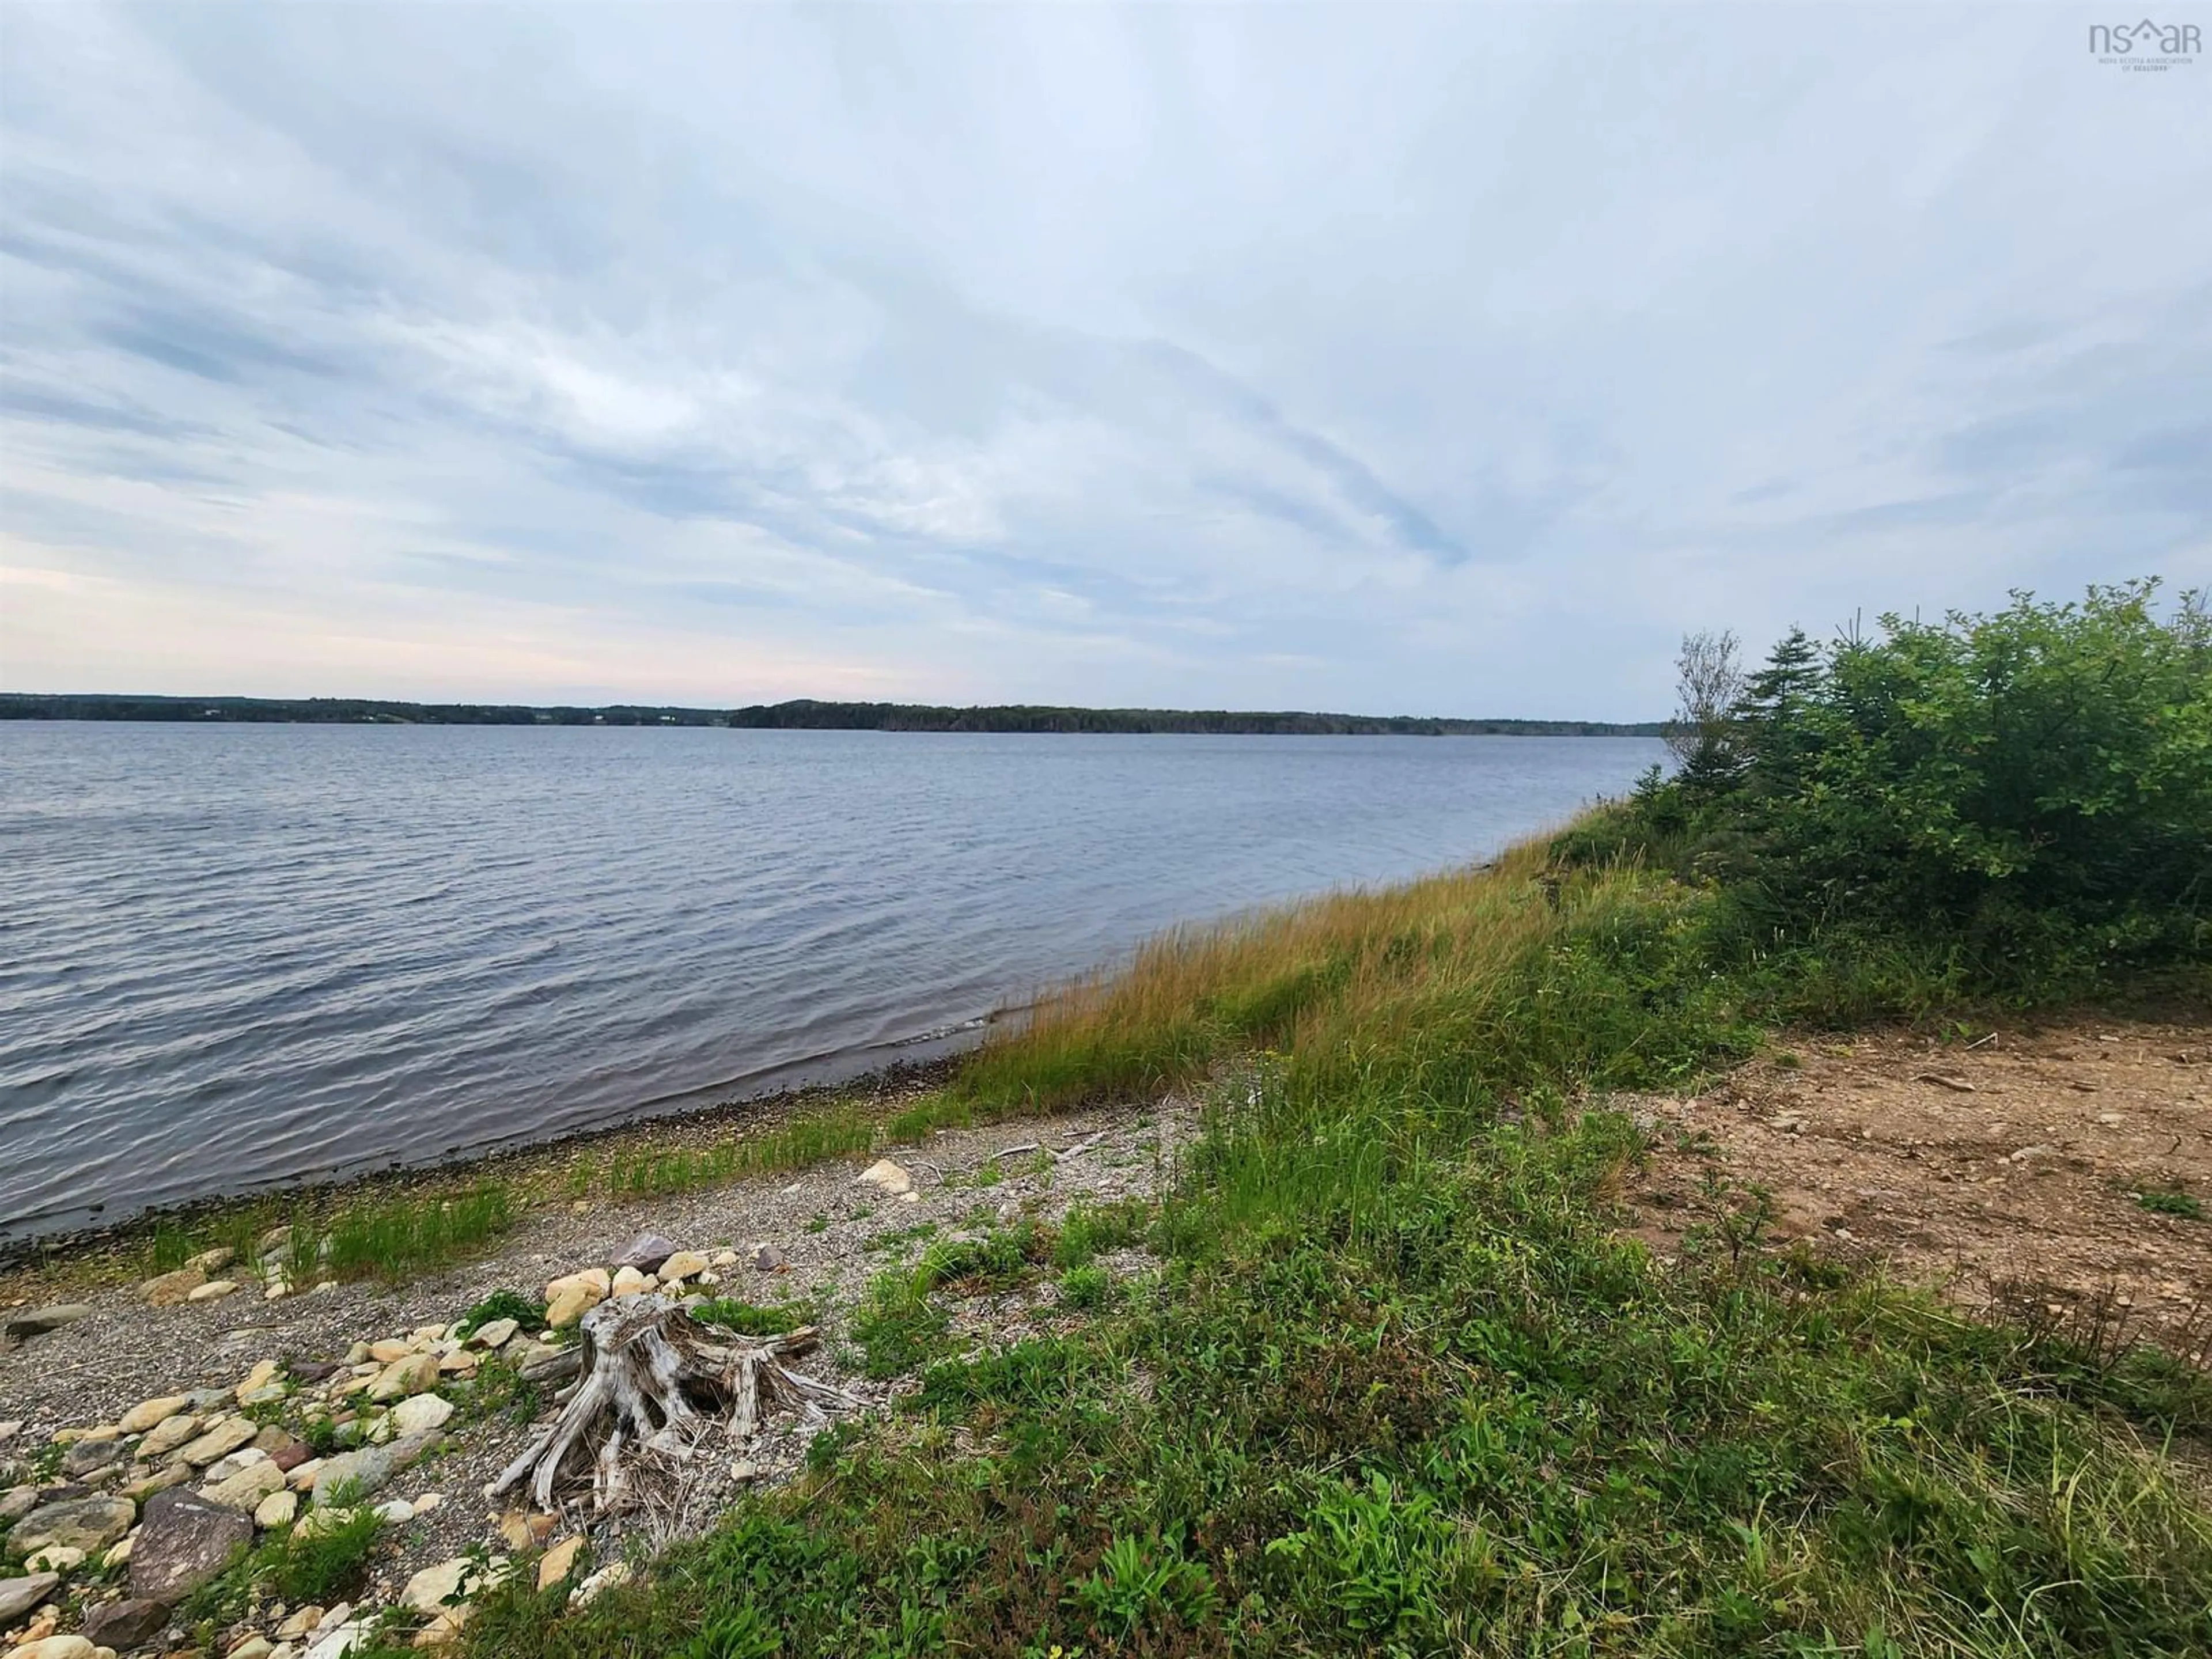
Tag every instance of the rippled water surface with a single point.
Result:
(237, 955)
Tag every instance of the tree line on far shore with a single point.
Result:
(804, 713)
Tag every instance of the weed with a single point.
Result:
(897, 1327)
(2173, 1203)
(1085, 1287)
(749, 1319)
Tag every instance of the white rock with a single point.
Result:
(424, 1410)
(628, 1281)
(399, 1512)
(494, 1335)
(615, 1572)
(276, 1510)
(58, 1647)
(885, 1176)
(339, 1640)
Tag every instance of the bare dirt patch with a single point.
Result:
(2065, 1158)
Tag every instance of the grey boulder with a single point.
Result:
(644, 1252)
(368, 1469)
(19, 1595)
(184, 1542)
(123, 1625)
(75, 1523)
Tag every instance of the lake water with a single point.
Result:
(236, 955)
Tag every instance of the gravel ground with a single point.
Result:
(88, 1373)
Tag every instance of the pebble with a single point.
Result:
(299, 1623)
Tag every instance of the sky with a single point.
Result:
(1447, 359)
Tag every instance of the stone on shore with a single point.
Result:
(125, 1624)
(57, 1646)
(559, 1561)
(644, 1252)
(219, 1442)
(245, 1489)
(413, 1375)
(628, 1281)
(81, 1523)
(885, 1176)
(371, 1467)
(37, 1321)
(264, 1373)
(167, 1435)
(19, 1595)
(684, 1264)
(214, 1290)
(170, 1289)
(184, 1542)
(569, 1299)
(421, 1414)
(494, 1335)
(152, 1413)
(277, 1509)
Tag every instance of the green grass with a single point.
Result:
(752, 1319)
(1401, 1387)
(386, 1236)
(2173, 1203)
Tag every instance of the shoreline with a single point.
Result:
(884, 1085)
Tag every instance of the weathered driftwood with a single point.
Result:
(653, 1384)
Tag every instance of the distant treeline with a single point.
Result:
(804, 715)
(335, 711)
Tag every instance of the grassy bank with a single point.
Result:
(1397, 1384)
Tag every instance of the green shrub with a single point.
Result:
(526, 1311)
(2016, 802)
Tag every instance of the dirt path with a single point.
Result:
(2056, 1164)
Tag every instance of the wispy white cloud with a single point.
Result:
(1415, 359)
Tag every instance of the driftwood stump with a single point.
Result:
(652, 1383)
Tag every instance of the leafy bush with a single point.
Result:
(2027, 793)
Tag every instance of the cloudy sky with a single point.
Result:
(1391, 359)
